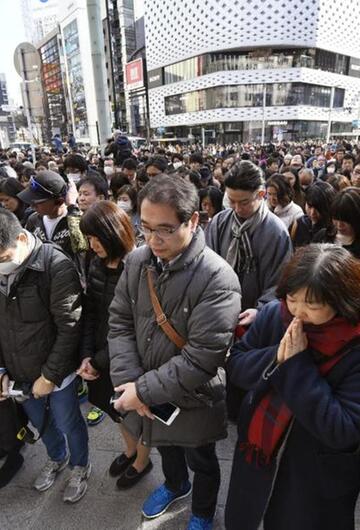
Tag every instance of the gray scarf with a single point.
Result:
(240, 255)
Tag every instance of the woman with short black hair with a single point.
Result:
(9, 189)
(111, 237)
(346, 221)
(319, 197)
(280, 199)
(296, 462)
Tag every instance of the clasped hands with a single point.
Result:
(294, 341)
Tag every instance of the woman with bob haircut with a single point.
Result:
(280, 199)
(111, 238)
(319, 197)
(346, 221)
(297, 460)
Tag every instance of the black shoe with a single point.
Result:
(132, 476)
(120, 464)
(11, 466)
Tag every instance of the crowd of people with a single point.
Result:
(218, 283)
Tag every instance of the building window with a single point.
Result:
(235, 96)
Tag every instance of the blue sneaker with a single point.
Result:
(200, 523)
(160, 500)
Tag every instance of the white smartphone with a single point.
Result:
(166, 413)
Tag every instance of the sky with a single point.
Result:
(12, 33)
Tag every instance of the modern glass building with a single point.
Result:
(249, 69)
(53, 87)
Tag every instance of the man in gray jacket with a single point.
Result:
(251, 238)
(254, 242)
(200, 296)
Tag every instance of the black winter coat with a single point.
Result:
(40, 316)
(101, 285)
(100, 292)
(305, 231)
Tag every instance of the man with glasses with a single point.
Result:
(355, 175)
(199, 295)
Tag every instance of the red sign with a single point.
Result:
(135, 74)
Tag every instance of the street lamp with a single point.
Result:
(332, 95)
(263, 117)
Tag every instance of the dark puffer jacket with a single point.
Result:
(200, 294)
(39, 317)
(100, 292)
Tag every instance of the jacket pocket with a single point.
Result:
(339, 473)
(31, 306)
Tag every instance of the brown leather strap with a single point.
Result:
(293, 230)
(161, 318)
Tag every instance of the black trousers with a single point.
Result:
(204, 463)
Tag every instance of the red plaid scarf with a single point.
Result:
(272, 417)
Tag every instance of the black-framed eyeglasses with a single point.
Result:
(36, 186)
(162, 233)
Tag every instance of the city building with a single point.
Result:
(80, 62)
(7, 126)
(54, 86)
(40, 17)
(251, 70)
(114, 64)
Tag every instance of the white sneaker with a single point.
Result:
(49, 473)
(77, 484)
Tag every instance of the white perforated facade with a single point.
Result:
(177, 30)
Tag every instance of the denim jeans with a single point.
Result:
(204, 463)
(65, 419)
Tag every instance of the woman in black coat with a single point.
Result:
(297, 461)
(111, 237)
(319, 197)
(345, 213)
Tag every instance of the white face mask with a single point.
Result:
(344, 240)
(177, 165)
(75, 177)
(330, 170)
(108, 171)
(8, 267)
(125, 205)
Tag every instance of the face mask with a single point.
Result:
(177, 165)
(75, 177)
(330, 170)
(344, 240)
(108, 171)
(8, 267)
(125, 205)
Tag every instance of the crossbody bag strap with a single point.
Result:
(161, 318)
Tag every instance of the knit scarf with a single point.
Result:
(240, 255)
(272, 417)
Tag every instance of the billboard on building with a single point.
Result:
(135, 74)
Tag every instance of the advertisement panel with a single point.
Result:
(134, 74)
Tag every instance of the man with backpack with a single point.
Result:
(40, 309)
(120, 148)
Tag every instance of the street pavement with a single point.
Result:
(103, 507)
